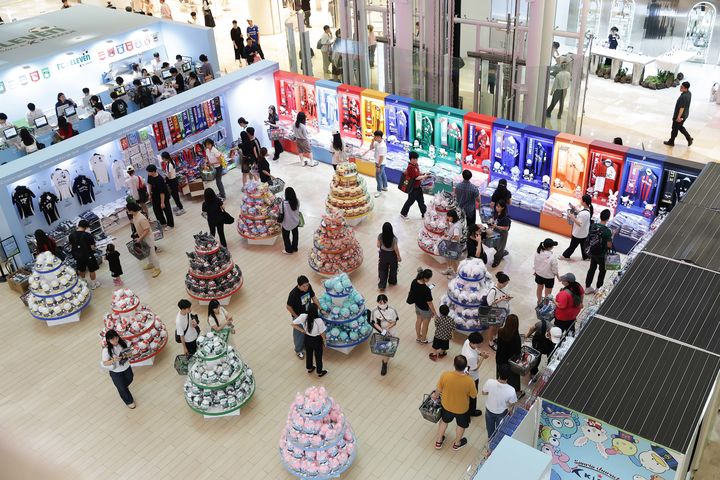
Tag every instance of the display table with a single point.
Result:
(57, 296)
(671, 60)
(618, 58)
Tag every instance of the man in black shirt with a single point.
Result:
(83, 251)
(159, 194)
(143, 97)
(178, 80)
(119, 107)
(682, 110)
(298, 302)
(263, 167)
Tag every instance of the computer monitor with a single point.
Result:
(69, 111)
(166, 75)
(146, 82)
(119, 91)
(10, 133)
(41, 122)
(186, 67)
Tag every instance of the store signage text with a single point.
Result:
(83, 59)
(34, 35)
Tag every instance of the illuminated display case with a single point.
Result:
(296, 93)
(677, 177)
(326, 94)
(449, 135)
(539, 149)
(508, 150)
(477, 142)
(605, 168)
(398, 124)
(640, 187)
(350, 114)
(373, 114)
(423, 131)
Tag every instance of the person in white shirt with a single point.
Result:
(218, 318)
(501, 398)
(384, 319)
(213, 159)
(454, 234)
(580, 217)
(165, 12)
(313, 327)
(338, 150)
(33, 113)
(116, 358)
(545, 266)
(559, 89)
(471, 351)
(326, 41)
(379, 147)
(102, 116)
(186, 327)
(156, 63)
(497, 297)
(87, 105)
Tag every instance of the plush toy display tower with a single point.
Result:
(212, 275)
(465, 292)
(136, 324)
(317, 441)
(349, 194)
(342, 308)
(218, 382)
(258, 215)
(435, 225)
(335, 248)
(57, 295)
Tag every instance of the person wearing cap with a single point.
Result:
(545, 267)
(471, 351)
(83, 251)
(544, 339)
(580, 217)
(569, 302)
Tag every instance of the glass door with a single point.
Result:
(698, 34)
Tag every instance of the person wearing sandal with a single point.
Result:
(455, 389)
(471, 351)
(421, 295)
(500, 399)
(444, 328)
(385, 318)
(313, 329)
(116, 358)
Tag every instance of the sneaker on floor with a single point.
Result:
(690, 142)
(563, 257)
(377, 194)
(300, 355)
(148, 267)
(286, 252)
(131, 406)
(383, 369)
(322, 373)
(166, 228)
(439, 445)
(476, 413)
(385, 189)
(180, 212)
(590, 290)
(117, 282)
(463, 442)
(95, 285)
(404, 217)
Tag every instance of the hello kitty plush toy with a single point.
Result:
(612, 199)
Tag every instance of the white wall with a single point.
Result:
(250, 98)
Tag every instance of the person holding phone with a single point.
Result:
(500, 225)
(313, 329)
(421, 296)
(384, 318)
(116, 358)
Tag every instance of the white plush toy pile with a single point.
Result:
(465, 293)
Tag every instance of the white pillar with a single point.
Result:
(539, 47)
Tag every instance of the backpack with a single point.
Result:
(594, 242)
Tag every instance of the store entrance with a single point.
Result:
(698, 34)
(380, 58)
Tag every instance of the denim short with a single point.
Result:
(425, 314)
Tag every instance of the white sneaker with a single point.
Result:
(563, 257)
(377, 194)
(94, 285)
(448, 271)
(590, 291)
(404, 217)
(180, 212)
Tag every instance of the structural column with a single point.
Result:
(539, 50)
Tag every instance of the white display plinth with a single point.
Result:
(262, 241)
(235, 413)
(75, 317)
(222, 301)
(355, 221)
(144, 363)
(345, 350)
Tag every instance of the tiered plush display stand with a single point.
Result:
(219, 383)
(138, 325)
(212, 275)
(57, 295)
(335, 248)
(317, 441)
(259, 210)
(464, 294)
(435, 226)
(342, 308)
(349, 194)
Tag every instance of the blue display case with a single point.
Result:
(508, 150)
(540, 145)
(640, 188)
(398, 123)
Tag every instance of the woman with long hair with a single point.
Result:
(301, 139)
(509, 344)
(64, 130)
(501, 225)
(212, 209)
(453, 234)
(421, 295)
(28, 142)
(290, 221)
(46, 243)
(218, 318)
(580, 217)
(497, 297)
(389, 257)
(475, 247)
(170, 169)
(116, 358)
(313, 327)
(338, 149)
(568, 303)
(272, 120)
(545, 268)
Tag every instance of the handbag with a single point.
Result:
(142, 191)
(281, 215)
(404, 183)
(227, 218)
(301, 223)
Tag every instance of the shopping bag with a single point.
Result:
(404, 183)
(302, 220)
(430, 409)
(612, 261)
(451, 250)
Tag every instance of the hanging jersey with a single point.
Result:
(427, 131)
(510, 152)
(454, 137)
(83, 187)
(632, 180)
(648, 184)
(539, 160)
(401, 122)
(48, 206)
(61, 180)
(99, 168)
(118, 173)
(22, 198)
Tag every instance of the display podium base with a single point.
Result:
(344, 350)
(355, 221)
(72, 318)
(262, 241)
(437, 258)
(222, 301)
(234, 413)
(145, 363)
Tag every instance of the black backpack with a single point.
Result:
(540, 342)
(594, 242)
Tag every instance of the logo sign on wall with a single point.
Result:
(136, 43)
(78, 61)
(35, 35)
(582, 447)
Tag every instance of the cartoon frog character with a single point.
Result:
(550, 436)
(560, 419)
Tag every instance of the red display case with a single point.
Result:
(477, 142)
(350, 113)
(296, 93)
(605, 169)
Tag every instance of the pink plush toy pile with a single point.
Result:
(317, 441)
(335, 248)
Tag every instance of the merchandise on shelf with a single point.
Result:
(508, 149)
(56, 292)
(465, 293)
(218, 381)
(423, 134)
(449, 135)
(349, 112)
(258, 212)
(194, 120)
(435, 226)
(398, 125)
(477, 143)
(348, 192)
(526, 197)
(317, 441)
(373, 114)
(137, 324)
(335, 248)
(569, 165)
(342, 308)
(295, 94)
(676, 181)
(605, 173)
(540, 145)
(327, 105)
(629, 225)
(212, 275)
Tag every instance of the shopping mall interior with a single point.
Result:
(607, 367)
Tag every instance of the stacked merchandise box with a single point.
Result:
(398, 127)
(328, 122)
(295, 93)
(448, 146)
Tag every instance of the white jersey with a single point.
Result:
(61, 179)
(118, 173)
(99, 168)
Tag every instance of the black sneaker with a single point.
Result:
(383, 369)
(476, 413)
(322, 373)
(690, 141)
(669, 143)
(463, 442)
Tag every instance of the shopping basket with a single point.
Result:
(207, 175)
(492, 239)
(546, 310)
(526, 360)
(430, 409)
(492, 315)
(277, 185)
(140, 250)
(385, 345)
(274, 133)
(450, 249)
(182, 364)
(157, 230)
(486, 213)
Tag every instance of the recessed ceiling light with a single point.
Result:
(108, 41)
(26, 66)
(70, 53)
